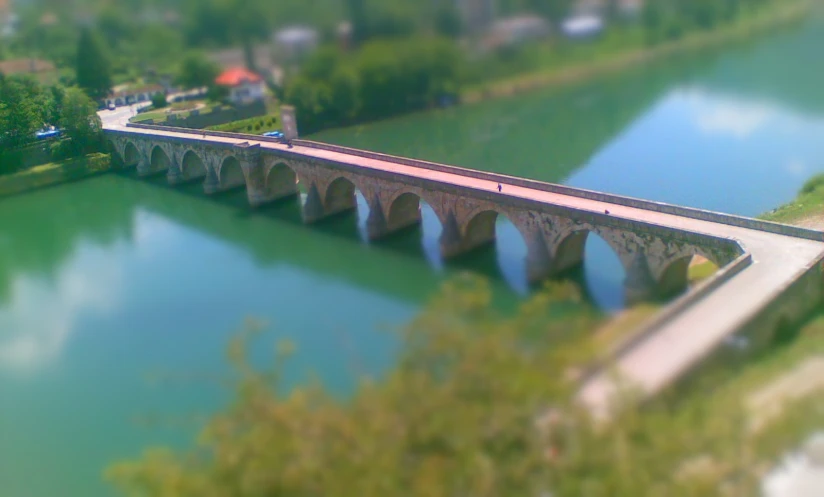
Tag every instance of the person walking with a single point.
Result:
(500, 188)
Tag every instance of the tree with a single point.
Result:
(93, 67)
(159, 100)
(448, 21)
(197, 71)
(359, 20)
(80, 121)
(479, 405)
(22, 116)
(223, 22)
(55, 110)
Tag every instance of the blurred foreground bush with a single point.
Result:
(478, 405)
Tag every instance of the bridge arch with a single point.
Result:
(230, 174)
(281, 180)
(192, 166)
(340, 195)
(116, 157)
(491, 226)
(404, 210)
(612, 279)
(159, 160)
(569, 252)
(131, 155)
(675, 276)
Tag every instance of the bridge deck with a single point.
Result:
(685, 339)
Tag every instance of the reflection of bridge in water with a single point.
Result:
(765, 267)
(272, 246)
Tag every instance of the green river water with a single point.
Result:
(109, 283)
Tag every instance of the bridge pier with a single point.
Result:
(453, 243)
(639, 284)
(405, 212)
(338, 197)
(211, 185)
(174, 176)
(313, 209)
(538, 259)
(569, 254)
(144, 165)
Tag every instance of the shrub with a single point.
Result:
(813, 184)
(159, 100)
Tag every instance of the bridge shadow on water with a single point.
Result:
(502, 262)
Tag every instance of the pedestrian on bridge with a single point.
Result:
(500, 188)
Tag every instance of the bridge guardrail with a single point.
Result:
(661, 318)
(690, 212)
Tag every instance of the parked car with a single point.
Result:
(112, 106)
(45, 134)
(274, 134)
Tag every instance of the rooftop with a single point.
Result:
(25, 66)
(237, 76)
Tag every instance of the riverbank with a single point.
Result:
(806, 210)
(54, 173)
(609, 62)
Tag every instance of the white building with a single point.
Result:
(244, 85)
(582, 26)
(128, 96)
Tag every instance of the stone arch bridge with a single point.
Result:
(655, 258)
(770, 273)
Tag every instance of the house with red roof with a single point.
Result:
(244, 85)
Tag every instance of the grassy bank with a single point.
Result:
(806, 210)
(54, 173)
(255, 125)
(628, 50)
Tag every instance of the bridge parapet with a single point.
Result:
(655, 258)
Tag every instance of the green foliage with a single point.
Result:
(24, 108)
(384, 78)
(479, 404)
(80, 122)
(813, 184)
(54, 173)
(226, 22)
(263, 124)
(197, 71)
(93, 67)
(809, 204)
(448, 21)
(217, 93)
(159, 101)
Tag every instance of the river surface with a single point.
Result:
(118, 295)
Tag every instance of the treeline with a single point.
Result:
(27, 107)
(383, 78)
(671, 19)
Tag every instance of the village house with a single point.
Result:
(244, 85)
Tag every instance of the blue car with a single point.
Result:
(43, 135)
(274, 134)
